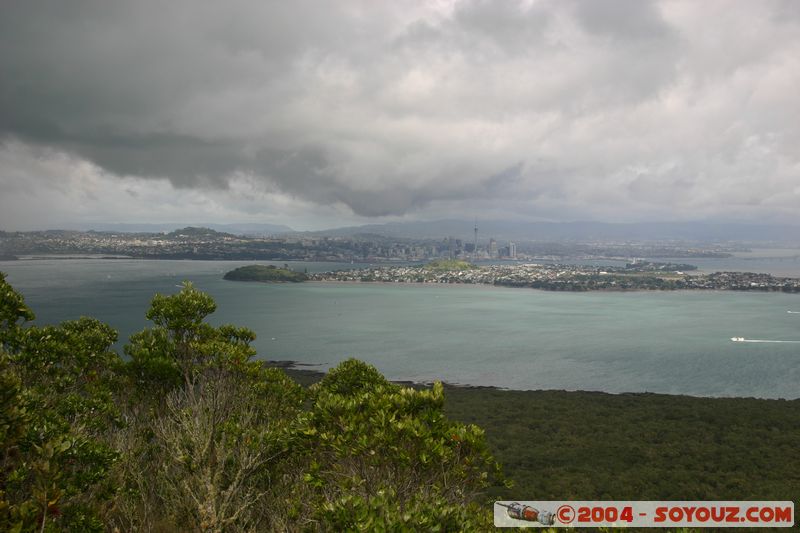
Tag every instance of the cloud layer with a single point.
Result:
(342, 111)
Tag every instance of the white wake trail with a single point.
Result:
(739, 339)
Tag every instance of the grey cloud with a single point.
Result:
(786, 11)
(390, 109)
(661, 188)
(630, 20)
(513, 27)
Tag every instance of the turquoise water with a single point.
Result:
(670, 342)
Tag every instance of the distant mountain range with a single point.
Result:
(506, 230)
(699, 232)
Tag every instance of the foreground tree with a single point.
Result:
(381, 455)
(191, 434)
(181, 346)
(57, 413)
(208, 427)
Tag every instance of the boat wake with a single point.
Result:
(793, 312)
(742, 339)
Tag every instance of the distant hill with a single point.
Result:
(236, 229)
(195, 232)
(253, 229)
(698, 232)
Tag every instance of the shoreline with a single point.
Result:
(307, 376)
(492, 286)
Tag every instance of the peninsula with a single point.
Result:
(265, 274)
(634, 276)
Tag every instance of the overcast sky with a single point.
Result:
(317, 114)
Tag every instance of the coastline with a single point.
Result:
(489, 286)
(508, 287)
(305, 374)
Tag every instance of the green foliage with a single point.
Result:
(379, 512)
(13, 416)
(57, 405)
(193, 435)
(181, 345)
(181, 313)
(380, 453)
(449, 264)
(13, 313)
(13, 427)
(265, 273)
(351, 377)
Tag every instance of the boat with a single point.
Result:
(737, 339)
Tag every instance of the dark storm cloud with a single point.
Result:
(607, 106)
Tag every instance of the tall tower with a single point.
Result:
(475, 244)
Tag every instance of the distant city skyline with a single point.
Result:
(318, 115)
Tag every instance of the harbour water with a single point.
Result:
(667, 342)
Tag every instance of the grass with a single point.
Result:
(449, 264)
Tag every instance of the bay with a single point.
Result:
(667, 342)
(780, 262)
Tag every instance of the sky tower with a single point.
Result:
(475, 244)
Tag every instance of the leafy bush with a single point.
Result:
(57, 410)
(389, 455)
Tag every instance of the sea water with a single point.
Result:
(668, 342)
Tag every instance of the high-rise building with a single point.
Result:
(475, 244)
(492, 248)
(512, 250)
